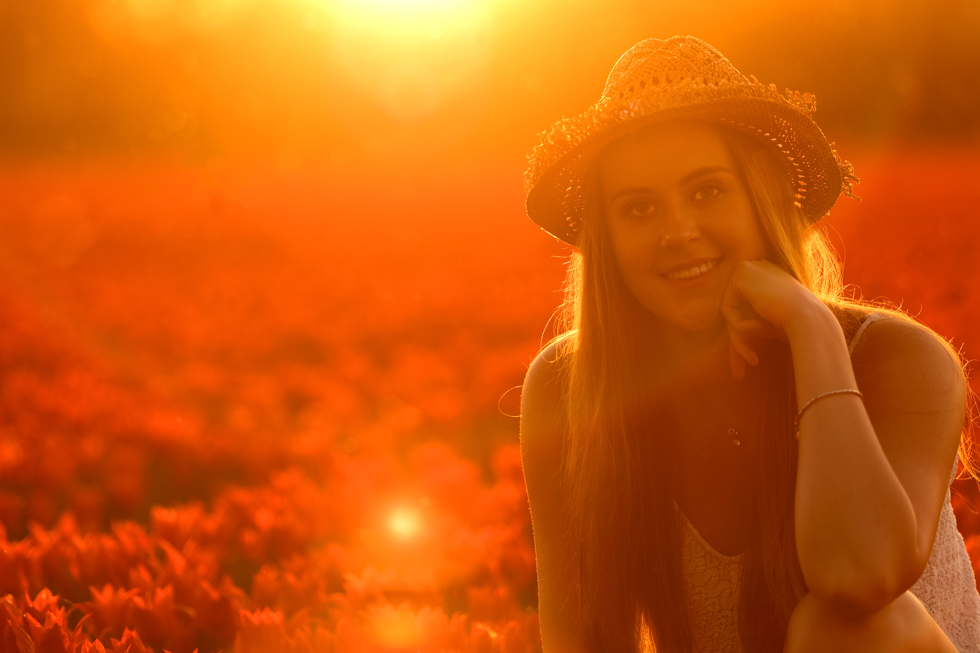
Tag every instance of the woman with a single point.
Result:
(721, 452)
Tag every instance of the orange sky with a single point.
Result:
(415, 79)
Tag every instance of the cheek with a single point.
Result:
(752, 235)
(744, 241)
(633, 252)
(738, 231)
(635, 262)
(753, 243)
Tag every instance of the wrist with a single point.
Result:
(811, 318)
(821, 361)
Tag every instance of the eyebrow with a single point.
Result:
(691, 176)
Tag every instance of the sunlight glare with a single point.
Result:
(425, 11)
(408, 5)
(412, 56)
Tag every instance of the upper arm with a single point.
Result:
(557, 559)
(915, 394)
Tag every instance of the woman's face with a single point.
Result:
(679, 220)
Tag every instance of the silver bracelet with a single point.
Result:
(796, 422)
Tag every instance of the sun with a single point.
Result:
(413, 57)
(415, 12)
(404, 523)
(410, 5)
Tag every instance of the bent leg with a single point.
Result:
(904, 626)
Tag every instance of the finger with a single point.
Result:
(731, 314)
(749, 325)
(743, 349)
(731, 301)
(735, 307)
(758, 328)
(737, 363)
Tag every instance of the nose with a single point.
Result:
(679, 230)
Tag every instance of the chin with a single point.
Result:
(698, 321)
(705, 324)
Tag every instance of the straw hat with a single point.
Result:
(681, 77)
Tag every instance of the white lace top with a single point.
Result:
(947, 587)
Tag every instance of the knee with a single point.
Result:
(904, 625)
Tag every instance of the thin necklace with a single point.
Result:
(732, 431)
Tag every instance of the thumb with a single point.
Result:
(742, 348)
(737, 363)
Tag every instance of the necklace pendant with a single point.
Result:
(734, 435)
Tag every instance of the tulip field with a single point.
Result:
(250, 409)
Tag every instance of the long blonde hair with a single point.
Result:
(616, 470)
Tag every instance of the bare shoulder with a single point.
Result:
(542, 416)
(542, 387)
(556, 552)
(903, 366)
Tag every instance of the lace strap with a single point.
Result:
(850, 350)
(860, 332)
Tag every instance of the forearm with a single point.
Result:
(855, 526)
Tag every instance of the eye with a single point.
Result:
(708, 191)
(637, 208)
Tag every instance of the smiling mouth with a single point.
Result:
(693, 271)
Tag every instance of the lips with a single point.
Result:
(691, 269)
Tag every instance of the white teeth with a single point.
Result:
(694, 271)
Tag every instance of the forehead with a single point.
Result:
(661, 155)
